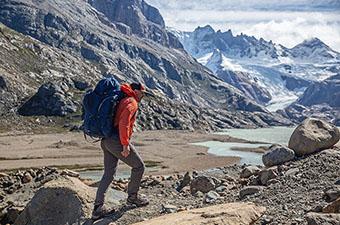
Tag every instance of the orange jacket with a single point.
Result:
(126, 114)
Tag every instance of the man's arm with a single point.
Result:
(124, 126)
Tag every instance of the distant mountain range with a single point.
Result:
(269, 73)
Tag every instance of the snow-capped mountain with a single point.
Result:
(278, 72)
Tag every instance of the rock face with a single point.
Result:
(327, 91)
(313, 135)
(142, 19)
(277, 155)
(292, 83)
(50, 100)
(320, 99)
(224, 214)
(245, 83)
(62, 201)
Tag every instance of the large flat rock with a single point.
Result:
(226, 214)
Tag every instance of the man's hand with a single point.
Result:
(126, 151)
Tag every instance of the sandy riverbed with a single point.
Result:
(171, 149)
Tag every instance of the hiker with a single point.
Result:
(118, 147)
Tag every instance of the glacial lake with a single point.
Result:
(264, 137)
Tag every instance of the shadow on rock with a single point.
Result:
(111, 218)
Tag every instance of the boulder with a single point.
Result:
(202, 183)
(51, 100)
(322, 219)
(65, 200)
(250, 190)
(313, 135)
(277, 155)
(249, 171)
(222, 214)
(268, 174)
(184, 182)
(211, 197)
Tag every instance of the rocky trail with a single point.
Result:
(304, 189)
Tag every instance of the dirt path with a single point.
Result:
(169, 150)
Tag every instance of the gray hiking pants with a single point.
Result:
(112, 153)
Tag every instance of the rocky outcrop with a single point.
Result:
(50, 100)
(299, 113)
(245, 83)
(313, 135)
(277, 155)
(327, 91)
(226, 214)
(320, 100)
(295, 83)
(141, 18)
(160, 113)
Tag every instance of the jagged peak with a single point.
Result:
(312, 43)
(228, 33)
(206, 28)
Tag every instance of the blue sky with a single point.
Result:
(287, 22)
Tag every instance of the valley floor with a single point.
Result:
(165, 151)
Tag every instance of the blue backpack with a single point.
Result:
(99, 106)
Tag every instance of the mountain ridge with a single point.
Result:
(82, 32)
(284, 72)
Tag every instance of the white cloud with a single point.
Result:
(291, 32)
(285, 22)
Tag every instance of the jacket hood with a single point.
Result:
(126, 88)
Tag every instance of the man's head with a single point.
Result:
(139, 89)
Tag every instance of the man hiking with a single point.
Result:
(119, 148)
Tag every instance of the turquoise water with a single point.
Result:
(274, 135)
(225, 149)
(266, 136)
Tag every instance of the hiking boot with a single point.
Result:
(100, 211)
(137, 200)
